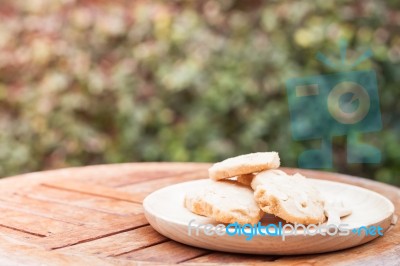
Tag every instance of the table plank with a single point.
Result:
(66, 197)
(61, 212)
(124, 174)
(73, 237)
(91, 189)
(140, 190)
(169, 252)
(119, 244)
(18, 235)
(33, 224)
(96, 174)
(17, 253)
(143, 175)
(222, 257)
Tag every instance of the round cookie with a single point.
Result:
(244, 164)
(265, 174)
(292, 198)
(225, 201)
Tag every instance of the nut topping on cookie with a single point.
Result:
(292, 198)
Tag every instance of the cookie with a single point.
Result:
(226, 202)
(245, 179)
(292, 198)
(266, 174)
(244, 164)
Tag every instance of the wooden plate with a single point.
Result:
(165, 212)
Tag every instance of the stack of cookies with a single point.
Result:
(245, 187)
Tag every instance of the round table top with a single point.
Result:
(94, 216)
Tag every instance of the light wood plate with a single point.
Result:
(165, 212)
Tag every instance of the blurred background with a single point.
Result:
(100, 81)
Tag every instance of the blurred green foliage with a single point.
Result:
(89, 82)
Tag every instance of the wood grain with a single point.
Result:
(140, 190)
(93, 216)
(222, 257)
(17, 235)
(91, 189)
(84, 201)
(73, 237)
(60, 212)
(119, 244)
(35, 225)
(169, 252)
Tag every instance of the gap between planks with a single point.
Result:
(119, 244)
(225, 257)
(73, 237)
(20, 231)
(123, 193)
(82, 200)
(167, 252)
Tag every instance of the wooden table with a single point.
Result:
(93, 216)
